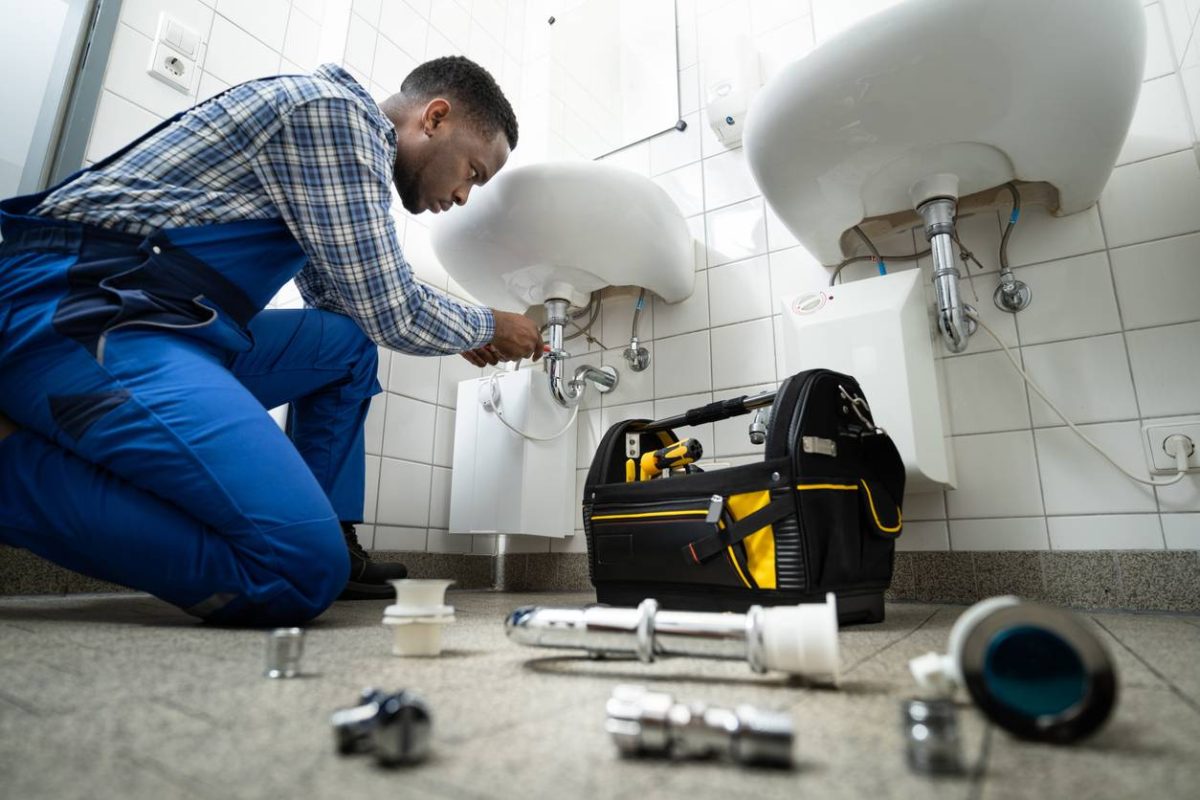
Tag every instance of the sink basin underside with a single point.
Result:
(1033, 90)
(565, 229)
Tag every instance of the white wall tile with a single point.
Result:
(303, 41)
(1107, 532)
(210, 86)
(439, 500)
(1159, 59)
(923, 536)
(793, 271)
(727, 179)
(442, 541)
(484, 544)
(611, 415)
(391, 66)
(1012, 533)
(1158, 283)
(1040, 236)
(1077, 480)
(443, 437)
(235, 56)
(408, 429)
(360, 44)
(616, 321)
(454, 370)
(404, 26)
(371, 493)
(985, 394)
(515, 543)
(403, 493)
(1182, 531)
(1166, 369)
(373, 428)
(368, 9)
(118, 122)
(1088, 379)
(736, 232)
(1160, 123)
(1073, 297)
(1152, 199)
(142, 15)
(778, 48)
(452, 21)
(681, 365)
(924, 506)
(576, 543)
(636, 157)
(393, 538)
(743, 354)
(265, 20)
(740, 291)
(413, 376)
(686, 187)
(997, 476)
(674, 149)
(588, 434)
(366, 536)
(689, 90)
(671, 319)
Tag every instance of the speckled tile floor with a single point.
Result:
(122, 696)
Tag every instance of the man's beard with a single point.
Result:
(406, 187)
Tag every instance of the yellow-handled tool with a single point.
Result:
(678, 454)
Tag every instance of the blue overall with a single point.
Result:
(140, 370)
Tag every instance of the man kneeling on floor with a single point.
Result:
(137, 362)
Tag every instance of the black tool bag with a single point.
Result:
(820, 513)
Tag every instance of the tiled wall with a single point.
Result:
(410, 429)
(1113, 334)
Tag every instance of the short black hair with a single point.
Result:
(460, 78)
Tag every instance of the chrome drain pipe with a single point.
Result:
(952, 319)
(799, 640)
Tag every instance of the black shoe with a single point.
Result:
(368, 579)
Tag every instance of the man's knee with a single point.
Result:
(312, 563)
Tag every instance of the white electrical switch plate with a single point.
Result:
(1154, 436)
(174, 53)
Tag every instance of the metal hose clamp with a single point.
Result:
(645, 630)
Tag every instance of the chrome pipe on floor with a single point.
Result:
(799, 640)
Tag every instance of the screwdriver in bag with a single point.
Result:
(681, 453)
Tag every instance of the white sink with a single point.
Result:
(984, 91)
(560, 230)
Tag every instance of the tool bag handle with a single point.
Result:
(713, 412)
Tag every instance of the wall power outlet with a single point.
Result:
(174, 53)
(1154, 438)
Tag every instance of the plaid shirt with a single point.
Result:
(314, 151)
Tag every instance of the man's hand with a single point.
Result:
(516, 337)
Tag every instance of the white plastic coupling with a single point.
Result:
(418, 615)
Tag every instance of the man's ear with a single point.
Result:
(434, 114)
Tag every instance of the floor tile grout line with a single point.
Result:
(1191, 703)
(892, 643)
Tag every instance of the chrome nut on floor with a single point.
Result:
(646, 723)
(397, 727)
